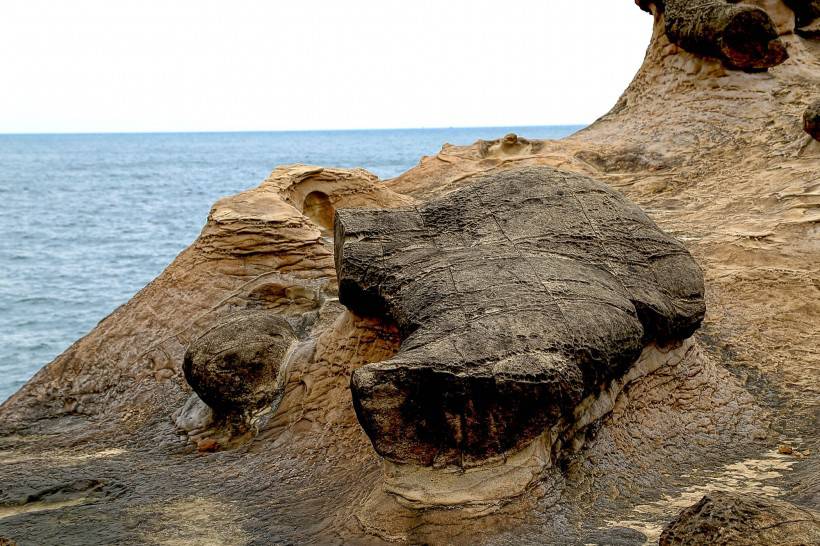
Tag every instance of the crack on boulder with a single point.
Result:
(742, 36)
(515, 299)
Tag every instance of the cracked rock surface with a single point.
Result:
(722, 518)
(235, 366)
(811, 120)
(92, 450)
(516, 297)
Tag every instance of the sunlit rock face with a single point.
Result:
(516, 298)
(716, 156)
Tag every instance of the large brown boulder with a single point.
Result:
(516, 298)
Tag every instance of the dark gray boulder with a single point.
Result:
(742, 36)
(515, 298)
(811, 120)
(235, 366)
(730, 518)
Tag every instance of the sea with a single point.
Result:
(86, 220)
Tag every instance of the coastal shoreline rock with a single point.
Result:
(811, 120)
(240, 365)
(742, 36)
(716, 157)
(516, 297)
(501, 479)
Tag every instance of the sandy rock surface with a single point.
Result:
(730, 519)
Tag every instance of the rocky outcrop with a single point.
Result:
(239, 366)
(511, 145)
(811, 120)
(257, 250)
(727, 519)
(516, 298)
(805, 11)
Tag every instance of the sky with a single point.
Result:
(265, 65)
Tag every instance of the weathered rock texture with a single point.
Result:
(727, 519)
(742, 36)
(811, 120)
(805, 11)
(238, 366)
(516, 298)
(716, 157)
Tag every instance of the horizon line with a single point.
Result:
(373, 129)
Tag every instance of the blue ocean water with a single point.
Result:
(88, 220)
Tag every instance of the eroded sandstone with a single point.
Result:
(716, 157)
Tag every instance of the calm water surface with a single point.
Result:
(88, 220)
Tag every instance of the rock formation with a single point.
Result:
(742, 36)
(811, 120)
(238, 366)
(110, 444)
(516, 298)
(727, 519)
(805, 11)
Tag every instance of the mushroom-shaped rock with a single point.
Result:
(811, 120)
(236, 366)
(742, 36)
(515, 297)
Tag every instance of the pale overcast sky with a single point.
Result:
(206, 65)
